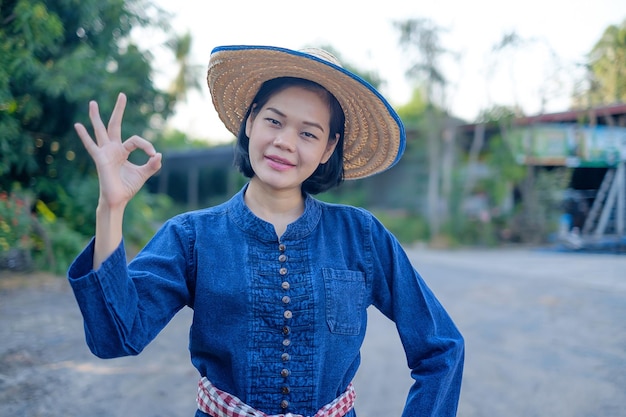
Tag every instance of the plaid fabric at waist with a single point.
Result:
(218, 403)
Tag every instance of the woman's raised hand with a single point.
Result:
(119, 179)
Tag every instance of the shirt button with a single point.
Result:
(282, 271)
(286, 342)
(284, 404)
(281, 247)
(285, 390)
(285, 285)
(285, 357)
(286, 330)
(286, 299)
(288, 314)
(285, 373)
(282, 258)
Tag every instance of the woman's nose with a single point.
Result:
(286, 139)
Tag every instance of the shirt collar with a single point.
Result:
(247, 221)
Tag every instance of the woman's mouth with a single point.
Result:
(278, 163)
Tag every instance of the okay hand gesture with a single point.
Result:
(119, 179)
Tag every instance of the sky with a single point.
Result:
(538, 75)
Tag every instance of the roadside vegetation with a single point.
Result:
(57, 55)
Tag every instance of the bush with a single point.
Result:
(56, 246)
(406, 227)
(143, 215)
(16, 222)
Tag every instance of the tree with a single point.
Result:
(420, 38)
(513, 48)
(607, 64)
(188, 74)
(55, 56)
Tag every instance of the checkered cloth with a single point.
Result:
(218, 403)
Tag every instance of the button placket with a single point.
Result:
(286, 330)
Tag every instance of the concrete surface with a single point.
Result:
(545, 334)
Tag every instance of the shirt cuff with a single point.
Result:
(81, 270)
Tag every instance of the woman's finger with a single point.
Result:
(154, 161)
(152, 165)
(87, 140)
(99, 129)
(137, 142)
(115, 122)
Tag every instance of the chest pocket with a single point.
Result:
(345, 294)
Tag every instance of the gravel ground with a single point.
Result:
(545, 336)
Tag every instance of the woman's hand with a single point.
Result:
(119, 179)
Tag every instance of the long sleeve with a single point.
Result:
(264, 307)
(125, 306)
(434, 346)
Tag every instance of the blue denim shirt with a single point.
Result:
(276, 322)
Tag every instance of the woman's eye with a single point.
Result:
(272, 121)
(309, 135)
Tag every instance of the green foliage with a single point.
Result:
(413, 112)
(607, 63)
(172, 139)
(352, 194)
(53, 241)
(188, 76)
(58, 239)
(408, 228)
(472, 232)
(56, 246)
(144, 214)
(539, 213)
(77, 205)
(421, 41)
(55, 57)
(502, 116)
(15, 222)
(505, 170)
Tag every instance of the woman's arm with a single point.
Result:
(118, 178)
(433, 345)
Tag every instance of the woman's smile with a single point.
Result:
(278, 163)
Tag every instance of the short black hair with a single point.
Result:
(326, 175)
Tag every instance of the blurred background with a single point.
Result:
(515, 115)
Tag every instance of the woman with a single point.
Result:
(279, 282)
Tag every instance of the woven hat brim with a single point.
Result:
(374, 137)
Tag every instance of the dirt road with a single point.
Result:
(545, 335)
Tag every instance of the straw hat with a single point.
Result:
(374, 137)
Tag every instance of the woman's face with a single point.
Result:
(289, 138)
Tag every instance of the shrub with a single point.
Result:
(56, 245)
(406, 227)
(16, 222)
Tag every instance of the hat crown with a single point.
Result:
(322, 54)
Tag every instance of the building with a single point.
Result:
(592, 143)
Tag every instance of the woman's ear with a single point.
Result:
(330, 148)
